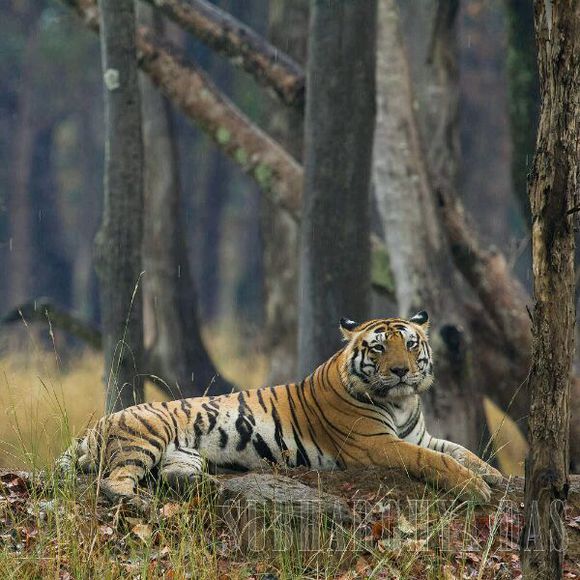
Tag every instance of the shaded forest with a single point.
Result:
(230, 181)
(228, 226)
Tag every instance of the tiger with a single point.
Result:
(360, 408)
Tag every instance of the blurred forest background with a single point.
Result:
(471, 68)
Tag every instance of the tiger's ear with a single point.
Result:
(421, 318)
(346, 327)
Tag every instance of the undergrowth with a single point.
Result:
(59, 528)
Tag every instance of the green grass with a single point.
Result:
(59, 529)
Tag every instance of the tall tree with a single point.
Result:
(485, 180)
(84, 280)
(20, 203)
(118, 242)
(53, 270)
(173, 338)
(339, 125)
(419, 253)
(288, 29)
(554, 199)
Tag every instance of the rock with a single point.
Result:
(265, 510)
(269, 488)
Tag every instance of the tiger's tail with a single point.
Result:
(77, 457)
(66, 463)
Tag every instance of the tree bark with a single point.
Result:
(485, 180)
(233, 39)
(435, 80)
(339, 125)
(192, 91)
(19, 199)
(430, 29)
(53, 272)
(172, 338)
(84, 279)
(119, 240)
(554, 199)
(485, 270)
(288, 29)
(401, 183)
(419, 253)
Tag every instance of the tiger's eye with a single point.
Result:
(411, 344)
(378, 348)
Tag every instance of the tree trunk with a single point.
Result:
(19, 199)
(84, 280)
(430, 31)
(554, 201)
(339, 125)
(289, 31)
(52, 266)
(419, 254)
(172, 336)
(412, 232)
(118, 242)
(485, 179)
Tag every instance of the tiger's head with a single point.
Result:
(387, 359)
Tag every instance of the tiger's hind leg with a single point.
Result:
(76, 459)
(121, 483)
(181, 466)
(120, 486)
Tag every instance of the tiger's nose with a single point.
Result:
(400, 371)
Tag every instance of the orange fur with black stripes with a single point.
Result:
(359, 408)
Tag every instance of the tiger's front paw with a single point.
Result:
(475, 489)
(489, 474)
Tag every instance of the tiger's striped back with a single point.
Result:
(345, 414)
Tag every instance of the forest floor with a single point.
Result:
(383, 525)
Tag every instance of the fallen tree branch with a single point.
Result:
(225, 35)
(189, 88)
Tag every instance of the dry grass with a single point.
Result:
(61, 531)
(510, 444)
(43, 402)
